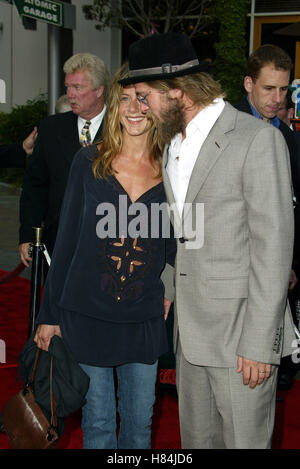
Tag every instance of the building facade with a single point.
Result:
(277, 22)
(24, 53)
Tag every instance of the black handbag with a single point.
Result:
(24, 421)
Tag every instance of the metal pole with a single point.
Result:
(251, 39)
(36, 271)
(53, 67)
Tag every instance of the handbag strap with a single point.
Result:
(52, 398)
(36, 361)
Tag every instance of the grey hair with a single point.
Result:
(95, 67)
(62, 104)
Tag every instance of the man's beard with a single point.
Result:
(171, 121)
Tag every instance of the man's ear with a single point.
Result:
(99, 91)
(175, 93)
(248, 84)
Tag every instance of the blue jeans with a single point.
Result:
(136, 397)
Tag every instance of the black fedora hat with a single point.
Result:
(162, 56)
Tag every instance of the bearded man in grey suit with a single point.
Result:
(227, 179)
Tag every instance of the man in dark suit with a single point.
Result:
(59, 138)
(288, 369)
(14, 155)
(286, 113)
(266, 82)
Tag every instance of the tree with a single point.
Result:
(223, 21)
(146, 17)
(231, 54)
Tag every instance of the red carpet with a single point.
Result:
(14, 307)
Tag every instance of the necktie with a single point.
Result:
(85, 137)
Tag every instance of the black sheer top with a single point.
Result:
(104, 287)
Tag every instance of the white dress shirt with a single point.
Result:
(95, 123)
(182, 154)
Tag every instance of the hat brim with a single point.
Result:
(202, 67)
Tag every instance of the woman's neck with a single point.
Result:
(136, 148)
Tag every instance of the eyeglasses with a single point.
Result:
(144, 100)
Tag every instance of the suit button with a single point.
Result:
(182, 240)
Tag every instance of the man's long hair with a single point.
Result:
(201, 88)
(112, 140)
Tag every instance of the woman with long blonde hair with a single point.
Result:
(104, 294)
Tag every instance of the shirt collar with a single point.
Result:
(275, 121)
(205, 119)
(202, 122)
(95, 120)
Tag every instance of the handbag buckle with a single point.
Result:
(25, 390)
(50, 435)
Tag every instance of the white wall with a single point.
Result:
(23, 58)
(86, 38)
(29, 60)
(23, 53)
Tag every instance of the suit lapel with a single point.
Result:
(68, 127)
(68, 136)
(99, 133)
(210, 152)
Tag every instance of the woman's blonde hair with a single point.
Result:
(112, 140)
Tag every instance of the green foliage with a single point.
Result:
(231, 50)
(15, 126)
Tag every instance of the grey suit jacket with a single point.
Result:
(231, 279)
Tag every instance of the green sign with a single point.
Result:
(42, 10)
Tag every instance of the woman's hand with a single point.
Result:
(44, 334)
(167, 304)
